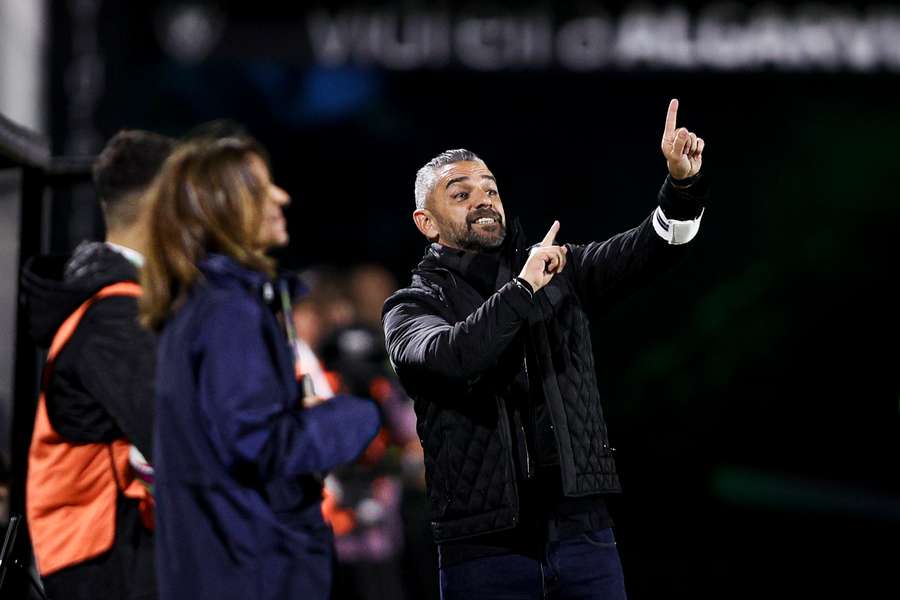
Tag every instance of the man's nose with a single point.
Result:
(482, 199)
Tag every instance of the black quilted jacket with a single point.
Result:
(458, 354)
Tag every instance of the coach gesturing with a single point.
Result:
(492, 342)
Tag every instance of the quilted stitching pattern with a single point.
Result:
(469, 467)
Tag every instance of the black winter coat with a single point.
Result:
(102, 384)
(101, 390)
(459, 353)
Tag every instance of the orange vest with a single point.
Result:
(72, 488)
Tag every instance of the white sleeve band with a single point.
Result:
(675, 232)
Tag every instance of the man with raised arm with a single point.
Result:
(492, 341)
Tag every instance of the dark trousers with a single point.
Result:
(583, 567)
(124, 573)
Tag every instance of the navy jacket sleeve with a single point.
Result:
(252, 406)
(605, 271)
(421, 340)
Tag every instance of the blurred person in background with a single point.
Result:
(240, 450)
(363, 500)
(325, 307)
(369, 286)
(492, 341)
(90, 520)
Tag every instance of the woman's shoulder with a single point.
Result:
(221, 302)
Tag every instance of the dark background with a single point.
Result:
(752, 393)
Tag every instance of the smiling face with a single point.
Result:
(464, 210)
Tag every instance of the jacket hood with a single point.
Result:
(53, 287)
(219, 266)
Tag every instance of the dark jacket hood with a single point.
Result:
(53, 287)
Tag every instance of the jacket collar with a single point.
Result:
(219, 266)
(488, 270)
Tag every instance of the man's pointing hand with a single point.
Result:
(683, 149)
(545, 260)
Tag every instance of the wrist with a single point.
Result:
(681, 183)
(683, 200)
(525, 285)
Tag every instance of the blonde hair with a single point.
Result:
(206, 198)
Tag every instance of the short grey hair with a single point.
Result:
(427, 175)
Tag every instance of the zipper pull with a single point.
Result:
(522, 447)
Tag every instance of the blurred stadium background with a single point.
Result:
(751, 394)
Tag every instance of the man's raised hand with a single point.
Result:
(683, 149)
(544, 261)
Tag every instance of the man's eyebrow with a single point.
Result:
(456, 180)
(491, 177)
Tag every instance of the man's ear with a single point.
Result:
(426, 224)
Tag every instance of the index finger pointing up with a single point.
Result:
(670, 118)
(551, 235)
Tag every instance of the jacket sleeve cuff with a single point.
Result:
(523, 283)
(673, 231)
(685, 202)
(518, 296)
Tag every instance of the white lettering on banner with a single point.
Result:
(502, 43)
(655, 39)
(583, 44)
(392, 41)
(726, 36)
(411, 42)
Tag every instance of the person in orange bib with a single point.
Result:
(90, 519)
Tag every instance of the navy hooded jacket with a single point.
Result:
(238, 462)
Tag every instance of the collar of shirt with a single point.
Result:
(133, 256)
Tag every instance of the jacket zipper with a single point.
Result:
(529, 470)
